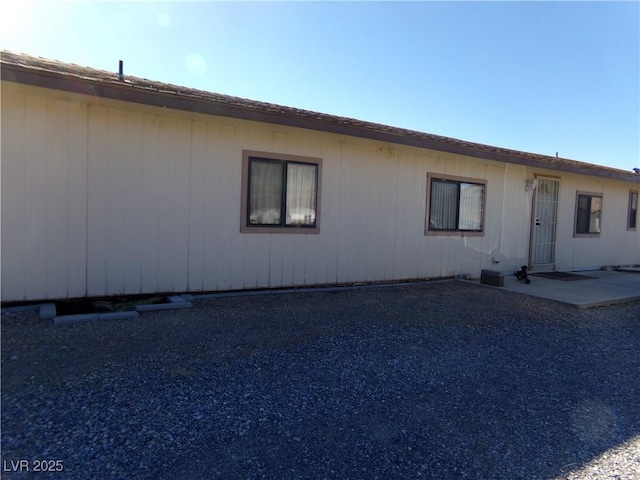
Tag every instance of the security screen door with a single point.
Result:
(545, 219)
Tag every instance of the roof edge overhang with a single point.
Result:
(155, 95)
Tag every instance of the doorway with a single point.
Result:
(544, 224)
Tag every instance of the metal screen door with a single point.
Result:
(545, 219)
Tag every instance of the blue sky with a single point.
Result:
(542, 77)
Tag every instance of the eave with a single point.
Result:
(71, 78)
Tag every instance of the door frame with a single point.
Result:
(532, 225)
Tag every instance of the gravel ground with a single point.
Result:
(444, 380)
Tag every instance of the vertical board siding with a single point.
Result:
(219, 233)
(148, 227)
(13, 191)
(402, 212)
(372, 242)
(614, 246)
(222, 225)
(44, 197)
(117, 199)
(163, 191)
(515, 203)
(97, 215)
(347, 209)
(56, 168)
(106, 198)
(130, 248)
(180, 208)
(384, 184)
(327, 242)
(197, 200)
(35, 192)
(76, 201)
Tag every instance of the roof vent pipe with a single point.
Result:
(120, 72)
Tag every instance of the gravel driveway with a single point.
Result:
(443, 380)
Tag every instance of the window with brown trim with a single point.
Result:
(280, 193)
(588, 218)
(455, 206)
(632, 218)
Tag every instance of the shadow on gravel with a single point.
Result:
(443, 381)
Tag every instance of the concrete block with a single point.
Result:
(492, 277)
(92, 317)
(163, 306)
(21, 308)
(47, 310)
(119, 315)
(176, 299)
(83, 317)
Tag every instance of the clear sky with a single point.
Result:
(542, 77)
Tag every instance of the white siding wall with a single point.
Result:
(615, 245)
(102, 197)
(44, 206)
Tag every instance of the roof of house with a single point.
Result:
(58, 75)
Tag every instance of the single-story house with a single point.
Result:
(116, 185)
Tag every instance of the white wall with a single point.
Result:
(44, 206)
(102, 197)
(615, 245)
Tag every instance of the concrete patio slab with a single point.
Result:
(607, 288)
